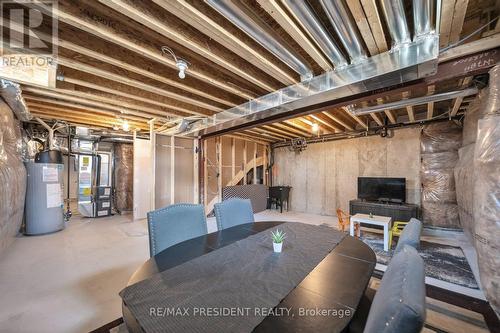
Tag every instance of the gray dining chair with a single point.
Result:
(410, 235)
(232, 212)
(174, 224)
(399, 303)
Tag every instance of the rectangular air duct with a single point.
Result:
(411, 61)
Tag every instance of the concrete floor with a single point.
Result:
(69, 281)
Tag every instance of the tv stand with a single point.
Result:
(398, 211)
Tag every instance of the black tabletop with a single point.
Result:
(324, 301)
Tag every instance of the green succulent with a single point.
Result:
(278, 236)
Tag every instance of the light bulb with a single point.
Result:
(126, 126)
(315, 127)
(182, 66)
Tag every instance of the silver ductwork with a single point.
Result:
(262, 34)
(341, 21)
(395, 17)
(406, 63)
(305, 15)
(50, 137)
(422, 17)
(414, 101)
(12, 94)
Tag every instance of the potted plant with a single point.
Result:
(278, 238)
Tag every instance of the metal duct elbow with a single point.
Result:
(262, 35)
(305, 15)
(341, 20)
(12, 94)
(422, 17)
(395, 17)
(50, 137)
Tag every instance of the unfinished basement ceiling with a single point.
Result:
(111, 68)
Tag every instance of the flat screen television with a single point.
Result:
(382, 189)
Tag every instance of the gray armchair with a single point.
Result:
(174, 224)
(399, 304)
(232, 212)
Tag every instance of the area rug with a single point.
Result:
(442, 262)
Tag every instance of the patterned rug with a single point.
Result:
(442, 262)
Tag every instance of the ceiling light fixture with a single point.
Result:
(126, 126)
(181, 64)
(315, 127)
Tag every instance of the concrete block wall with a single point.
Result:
(324, 176)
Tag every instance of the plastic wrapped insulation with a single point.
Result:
(12, 94)
(464, 184)
(438, 185)
(439, 154)
(124, 177)
(440, 137)
(487, 193)
(475, 111)
(12, 176)
(443, 160)
(443, 215)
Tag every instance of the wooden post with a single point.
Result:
(219, 168)
(196, 178)
(255, 163)
(152, 138)
(172, 170)
(264, 166)
(233, 158)
(205, 173)
(245, 163)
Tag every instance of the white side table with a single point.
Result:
(383, 221)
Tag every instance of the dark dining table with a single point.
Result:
(336, 283)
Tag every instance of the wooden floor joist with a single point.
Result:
(337, 120)
(78, 15)
(96, 100)
(228, 36)
(356, 118)
(165, 24)
(458, 101)
(144, 72)
(430, 106)
(363, 26)
(274, 8)
(137, 84)
(329, 125)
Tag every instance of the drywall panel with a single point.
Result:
(324, 176)
(143, 178)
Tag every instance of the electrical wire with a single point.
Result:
(468, 36)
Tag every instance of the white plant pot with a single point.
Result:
(277, 247)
